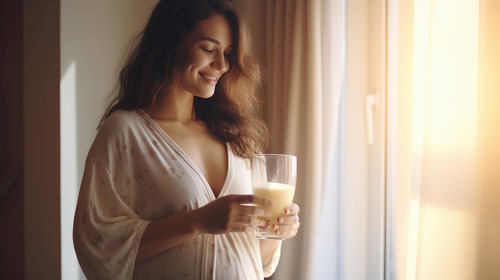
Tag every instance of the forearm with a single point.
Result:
(227, 214)
(267, 248)
(167, 232)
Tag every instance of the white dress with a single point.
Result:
(135, 173)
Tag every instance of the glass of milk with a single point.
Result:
(274, 176)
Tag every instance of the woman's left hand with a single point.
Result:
(288, 225)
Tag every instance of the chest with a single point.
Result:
(210, 157)
(159, 179)
(206, 152)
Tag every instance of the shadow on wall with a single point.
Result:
(95, 36)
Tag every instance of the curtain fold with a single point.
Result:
(303, 89)
(440, 130)
(488, 142)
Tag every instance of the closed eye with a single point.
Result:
(207, 50)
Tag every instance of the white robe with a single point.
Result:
(135, 173)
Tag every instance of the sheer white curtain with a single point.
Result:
(304, 79)
(443, 140)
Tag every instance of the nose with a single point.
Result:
(220, 62)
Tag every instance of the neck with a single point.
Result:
(174, 106)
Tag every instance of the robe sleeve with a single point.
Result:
(270, 268)
(106, 231)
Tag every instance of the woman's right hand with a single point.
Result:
(226, 214)
(233, 213)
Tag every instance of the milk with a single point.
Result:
(281, 194)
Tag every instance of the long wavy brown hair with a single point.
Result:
(151, 71)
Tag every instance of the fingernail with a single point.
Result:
(281, 220)
(287, 211)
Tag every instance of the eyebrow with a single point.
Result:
(214, 41)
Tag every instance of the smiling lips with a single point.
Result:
(210, 79)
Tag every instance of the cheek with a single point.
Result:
(196, 60)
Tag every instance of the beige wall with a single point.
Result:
(95, 36)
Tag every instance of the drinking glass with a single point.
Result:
(274, 176)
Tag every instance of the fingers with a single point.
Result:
(285, 233)
(291, 215)
(254, 211)
(293, 209)
(247, 212)
(240, 213)
(287, 226)
(252, 199)
(287, 230)
(249, 221)
(243, 223)
(288, 220)
(250, 205)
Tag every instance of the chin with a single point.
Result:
(205, 95)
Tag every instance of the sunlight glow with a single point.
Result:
(412, 239)
(445, 77)
(446, 240)
(69, 183)
(453, 80)
(443, 126)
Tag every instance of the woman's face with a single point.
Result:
(207, 49)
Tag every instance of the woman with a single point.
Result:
(166, 192)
